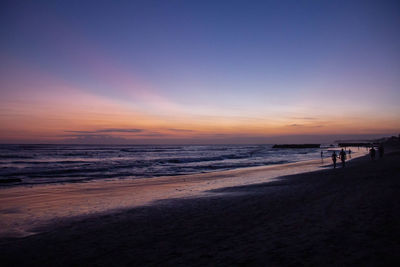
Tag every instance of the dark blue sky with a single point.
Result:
(255, 60)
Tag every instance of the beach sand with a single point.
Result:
(348, 216)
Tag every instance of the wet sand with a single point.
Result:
(347, 216)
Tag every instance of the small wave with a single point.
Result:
(203, 159)
(67, 163)
(15, 156)
(144, 150)
(46, 162)
(10, 182)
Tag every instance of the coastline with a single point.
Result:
(332, 217)
(27, 210)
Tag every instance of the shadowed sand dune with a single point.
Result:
(347, 216)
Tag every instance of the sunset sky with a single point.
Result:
(198, 71)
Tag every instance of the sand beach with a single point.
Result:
(348, 216)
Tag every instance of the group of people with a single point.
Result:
(342, 155)
(372, 152)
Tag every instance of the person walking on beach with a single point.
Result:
(322, 156)
(372, 153)
(334, 157)
(342, 157)
(349, 153)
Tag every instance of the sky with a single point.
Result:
(198, 72)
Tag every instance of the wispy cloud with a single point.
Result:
(78, 135)
(108, 130)
(151, 134)
(103, 137)
(304, 125)
(96, 139)
(304, 118)
(180, 130)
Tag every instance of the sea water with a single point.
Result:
(41, 164)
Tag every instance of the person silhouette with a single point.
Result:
(342, 156)
(334, 157)
(349, 153)
(372, 153)
(381, 151)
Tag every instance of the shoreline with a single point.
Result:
(24, 209)
(19, 182)
(347, 216)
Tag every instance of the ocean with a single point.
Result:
(43, 164)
